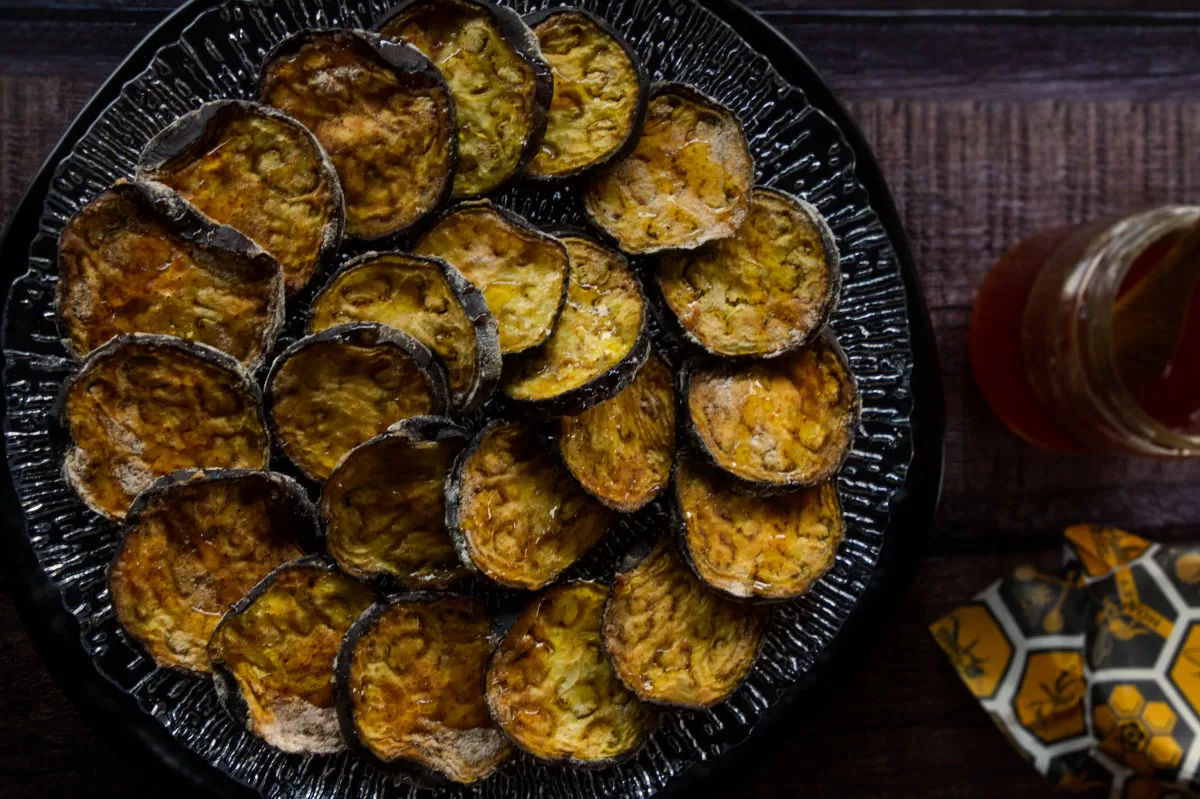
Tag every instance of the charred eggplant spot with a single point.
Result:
(686, 182)
(384, 510)
(600, 329)
(598, 94)
(621, 450)
(387, 130)
(787, 422)
(332, 391)
(551, 689)
(193, 547)
(497, 100)
(520, 517)
(414, 687)
(126, 266)
(765, 290)
(675, 641)
(521, 272)
(145, 406)
(261, 173)
(429, 300)
(278, 649)
(771, 547)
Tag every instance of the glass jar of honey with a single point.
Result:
(1042, 342)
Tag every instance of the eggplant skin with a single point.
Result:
(384, 114)
(600, 342)
(194, 543)
(410, 689)
(600, 93)
(501, 85)
(272, 654)
(763, 292)
(774, 425)
(552, 690)
(621, 450)
(753, 547)
(140, 259)
(522, 272)
(384, 506)
(687, 182)
(259, 171)
(428, 299)
(144, 406)
(331, 391)
(515, 513)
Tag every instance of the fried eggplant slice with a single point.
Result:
(515, 513)
(384, 506)
(553, 691)
(687, 182)
(522, 272)
(600, 93)
(384, 114)
(752, 547)
(140, 259)
(194, 543)
(145, 406)
(600, 342)
(272, 654)
(428, 299)
(621, 450)
(410, 689)
(259, 171)
(673, 640)
(501, 85)
(779, 424)
(331, 391)
(766, 290)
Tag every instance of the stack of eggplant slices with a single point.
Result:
(466, 404)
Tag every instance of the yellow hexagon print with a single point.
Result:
(1138, 727)
(1049, 701)
(1185, 668)
(976, 646)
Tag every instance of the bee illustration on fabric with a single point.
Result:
(1063, 694)
(962, 655)
(1114, 623)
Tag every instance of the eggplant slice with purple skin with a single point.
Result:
(428, 299)
(272, 654)
(552, 690)
(384, 506)
(331, 391)
(410, 689)
(600, 93)
(193, 545)
(141, 259)
(384, 114)
(686, 183)
(501, 84)
(259, 171)
(142, 406)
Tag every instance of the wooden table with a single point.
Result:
(992, 119)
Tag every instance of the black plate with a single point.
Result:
(804, 142)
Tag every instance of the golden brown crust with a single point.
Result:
(784, 422)
(757, 547)
(551, 689)
(686, 182)
(192, 551)
(598, 93)
(621, 450)
(521, 272)
(138, 410)
(279, 649)
(388, 136)
(415, 688)
(674, 641)
(765, 290)
(520, 516)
